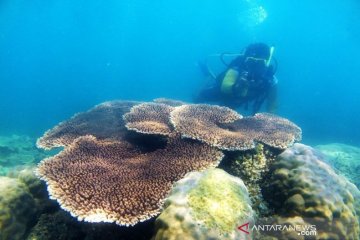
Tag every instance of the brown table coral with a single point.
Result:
(102, 175)
(149, 118)
(112, 181)
(223, 128)
(269, 129)
(170, 102)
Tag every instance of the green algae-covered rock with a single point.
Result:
(17, 209)
(207, 205)
(344, 158)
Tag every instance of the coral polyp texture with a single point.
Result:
(303, 188)
(149, 118)
(201, 122)
(104, 121)
(225, 129)
(112, 181)
(267, 128)
(170, 102)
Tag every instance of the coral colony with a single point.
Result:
(103, 176)
(127, 161)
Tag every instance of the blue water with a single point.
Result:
(61, 57)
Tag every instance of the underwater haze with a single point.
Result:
(62, 57)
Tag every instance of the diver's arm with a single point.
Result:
(271, 106)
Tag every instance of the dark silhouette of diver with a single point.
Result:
(249, 79)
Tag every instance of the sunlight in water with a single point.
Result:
(253, 15)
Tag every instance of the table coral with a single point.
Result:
(149, 118)
(225, 129)
(112, 181)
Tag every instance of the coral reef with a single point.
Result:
(112, 181)
(149, 118)
(107, 173)
(207, 205)
(344, 158)
(304, 189)
(251, 166)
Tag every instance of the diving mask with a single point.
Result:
(256, 64)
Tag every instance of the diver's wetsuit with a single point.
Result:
(253, 84)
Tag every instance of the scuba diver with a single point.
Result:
(248, 79)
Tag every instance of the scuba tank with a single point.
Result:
(222, 57)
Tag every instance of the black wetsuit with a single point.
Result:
(260, 84)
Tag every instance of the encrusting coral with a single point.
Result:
(207, 205)
(149, 118)
(112, 181)
(303, 188)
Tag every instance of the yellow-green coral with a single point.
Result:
(220, 197)
(17, 208)
(207, 205)
(22, 198)
(251, 166)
